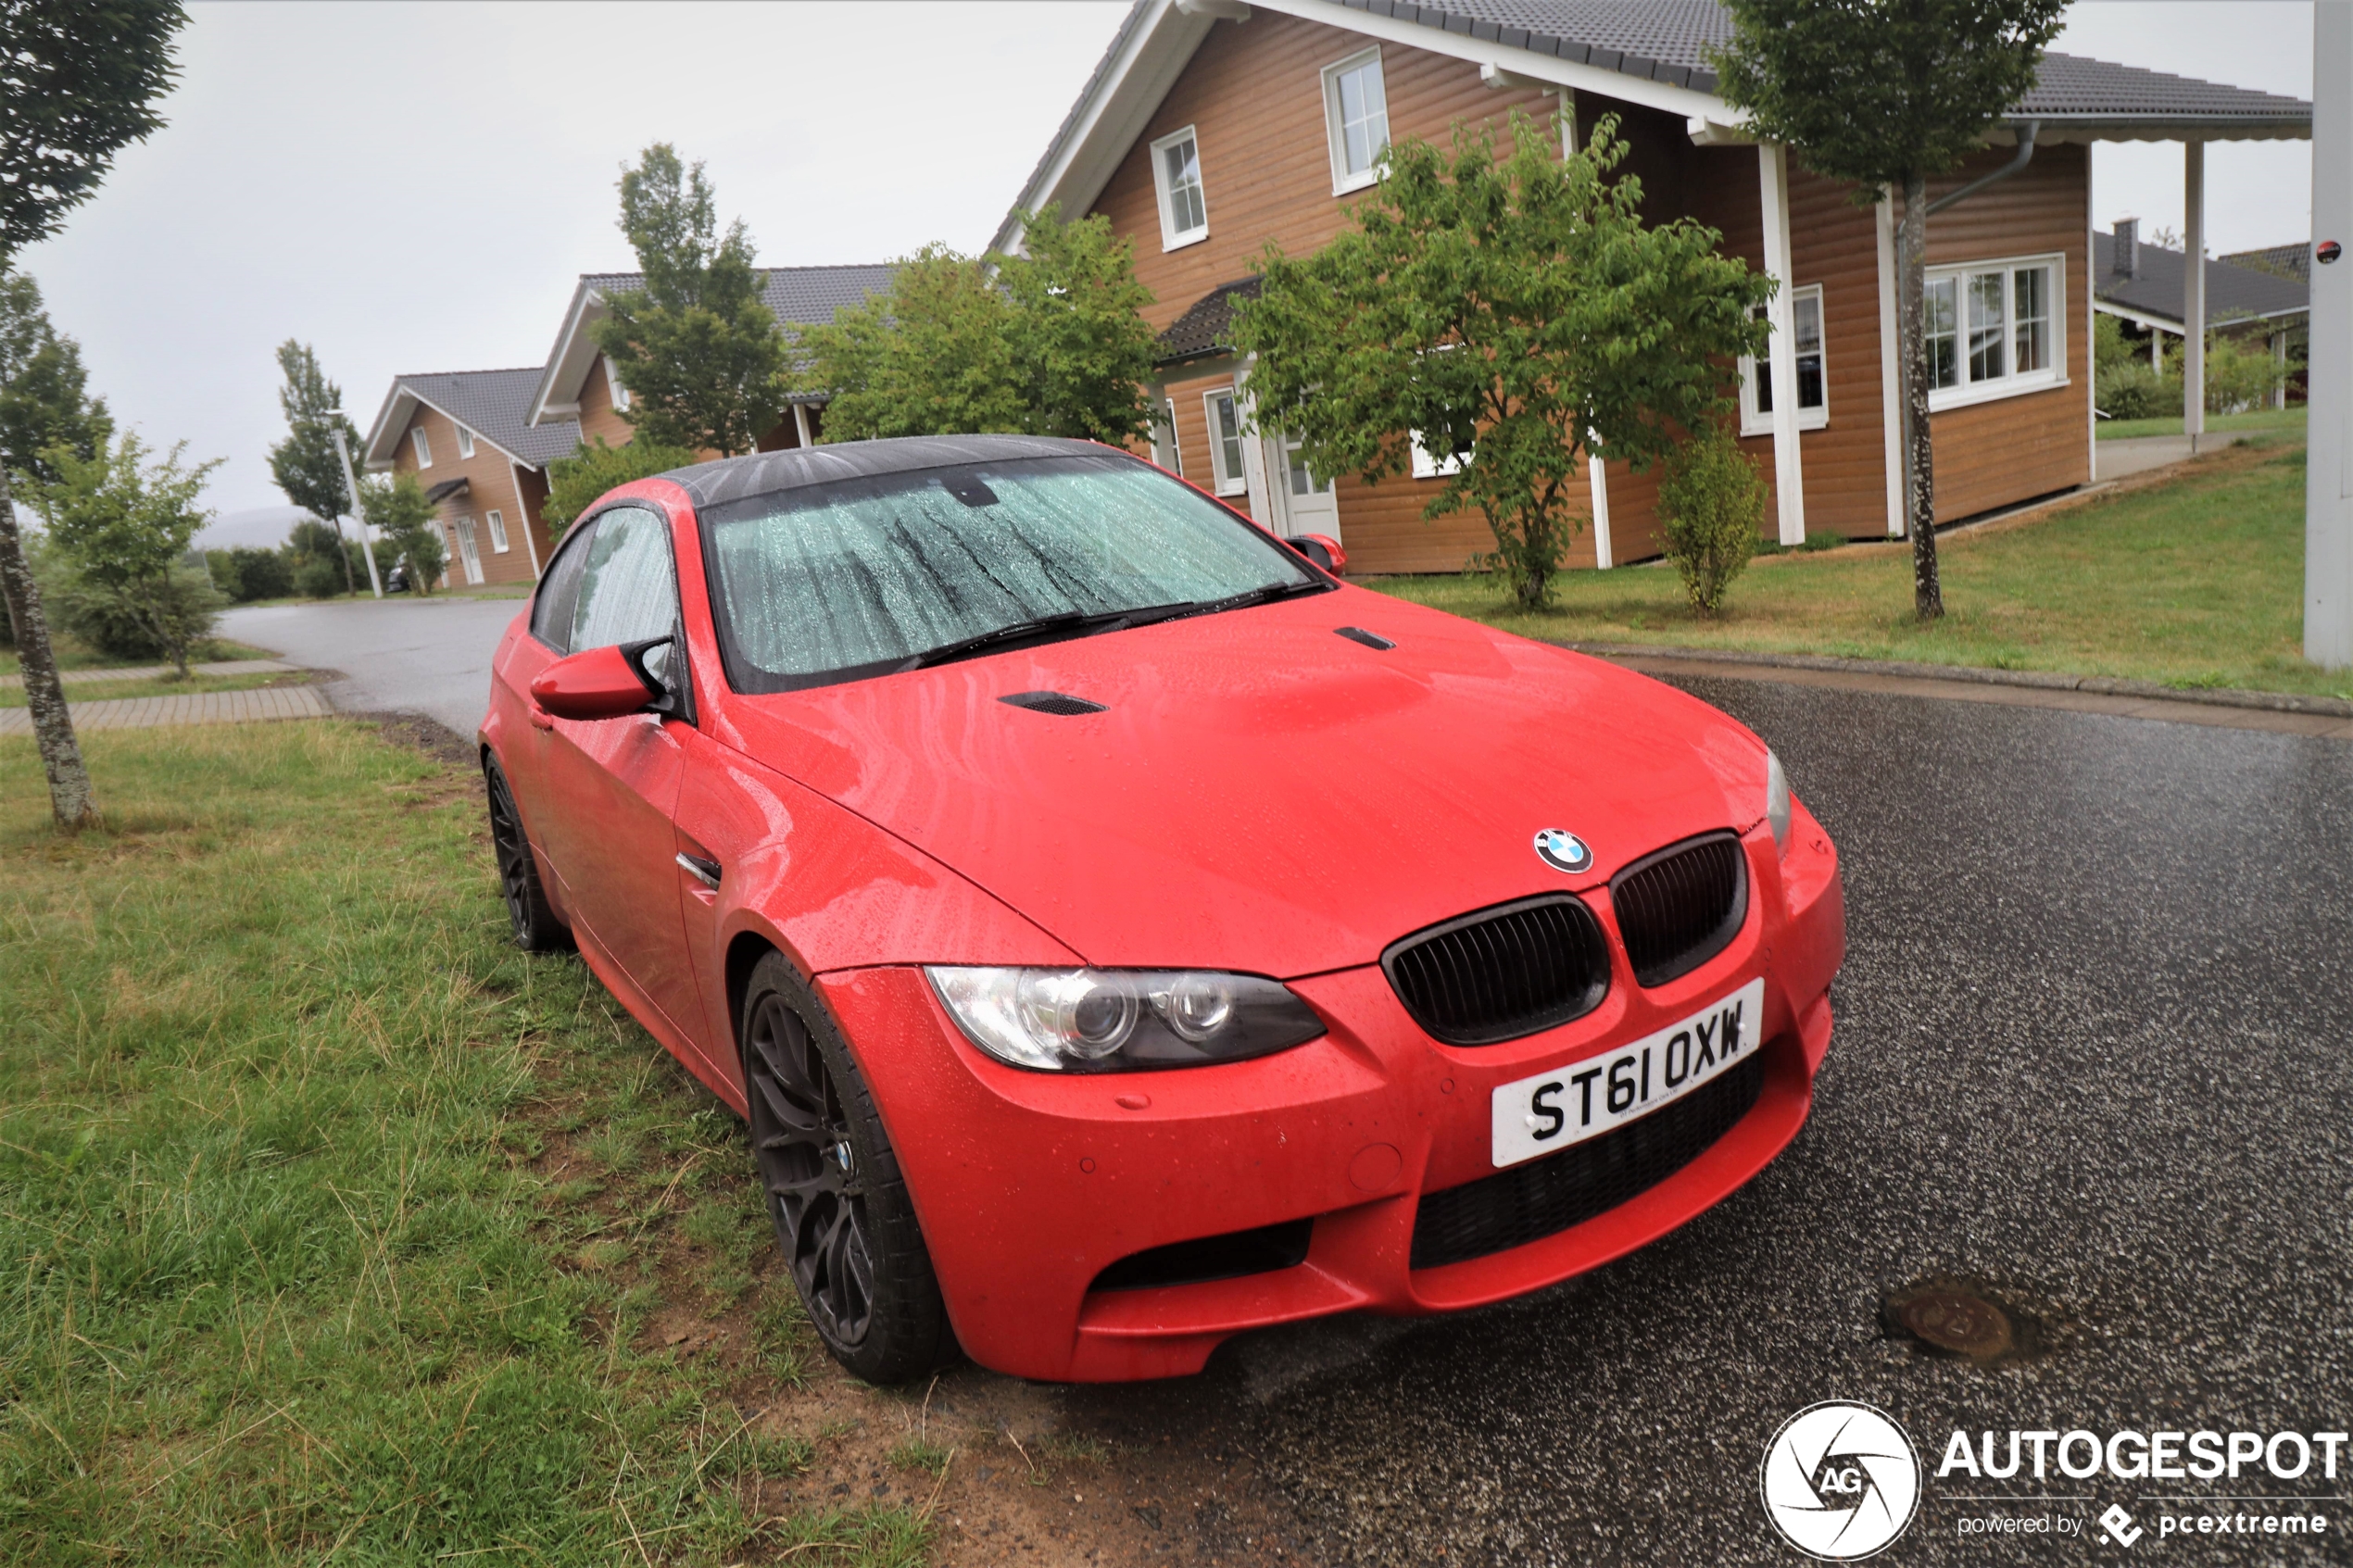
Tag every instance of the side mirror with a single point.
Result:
(606, 683)
(1321, 548)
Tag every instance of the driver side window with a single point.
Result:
(628, 588)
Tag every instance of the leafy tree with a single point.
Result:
(1713, 503)
(1520, 309)
(306, 465)
(126, 525)
(81, 77)
(1050, 342)
(1885, 94)
(246, 574)
(405, 522)
(933, 357)
(43, 389)
(697, 347)
(575, 482)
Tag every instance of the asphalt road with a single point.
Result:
(400, 655)
(2091, 1053)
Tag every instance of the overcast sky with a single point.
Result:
(413, 187)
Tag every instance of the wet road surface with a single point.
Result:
(400, 655)
(2094, 1053)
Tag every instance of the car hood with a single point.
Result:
(1261, 793)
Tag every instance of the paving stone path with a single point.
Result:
(157, 672)
(191, 707)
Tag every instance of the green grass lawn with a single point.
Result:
(72, 655)
(2235, 424)
(77, 692)
(338, 1228)
(2194, 581)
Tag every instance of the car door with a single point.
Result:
(610, 786)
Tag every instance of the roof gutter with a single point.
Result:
(2026, 134)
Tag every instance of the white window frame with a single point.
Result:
(1171, 236)
(1167, 451)
(620, 394)
(424, 446)
(1335, 133)
(497, 531)
(1434, 465)
(1755, 419)
(1236, 481)
(2013, 383)
(465, 443)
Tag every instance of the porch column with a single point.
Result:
(2193, 292)
(523, 514)
(1604, 556)
(2328, 480)
(800, 424)
(1789, 480)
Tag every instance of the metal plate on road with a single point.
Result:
(1583, 1100)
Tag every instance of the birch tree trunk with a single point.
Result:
(1911, 339)
(44, 694)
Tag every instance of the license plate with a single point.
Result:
(1551, 1111)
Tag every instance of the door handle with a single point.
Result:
(702, 871)
(540, 718)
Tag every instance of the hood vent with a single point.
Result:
(1058, 703)
(1358, 634)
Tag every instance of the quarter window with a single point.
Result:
(1184, 208)
(1357, 121)
(425, 447)
(1225, 443)
(1813, 378)
(1992, 330)
(465, 442)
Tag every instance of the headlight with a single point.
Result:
(1777, 801)
(1121, 1019)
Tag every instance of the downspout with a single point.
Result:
(2026, 134)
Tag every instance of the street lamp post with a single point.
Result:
(2328, 470)
(358, 517)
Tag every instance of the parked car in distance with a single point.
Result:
(1122, 934)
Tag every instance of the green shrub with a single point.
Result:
(2134, 391)
(1713, 502)
(142, 620)
(318, 577)
(575, 483)
(245, 574)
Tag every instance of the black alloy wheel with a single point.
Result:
(844, 1221)
(537, 928)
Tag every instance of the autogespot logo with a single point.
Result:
(1840, 1481)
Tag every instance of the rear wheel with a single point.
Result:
(843, 1218)
(535, 926)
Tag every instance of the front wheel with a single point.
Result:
(535, 926)
(843, 1218)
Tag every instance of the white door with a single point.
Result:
(1309, 506)
(466, 550)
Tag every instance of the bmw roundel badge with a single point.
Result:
(1563, 851)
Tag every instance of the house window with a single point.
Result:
(1302, 478)
(1166, 452)
(425, 447)
(1356, 120)
(612, 384)
(1813, 381)
(1184, 210)
(1992, 330)
(1226, 443)
(498, 532)
(465, 443)
(1432, 460)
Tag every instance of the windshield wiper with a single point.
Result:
(1072, 623)
(1249, 597)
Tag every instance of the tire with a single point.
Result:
(834, 1190)
(536, 929)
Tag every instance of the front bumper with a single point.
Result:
(1030, 1184)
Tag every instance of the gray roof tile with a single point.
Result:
(2231, 292)
(799, 295)
(494, 404)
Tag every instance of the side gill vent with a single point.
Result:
(1358, 634)
(1058, 703)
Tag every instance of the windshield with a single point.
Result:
(833, 581)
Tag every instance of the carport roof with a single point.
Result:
(2232, 293)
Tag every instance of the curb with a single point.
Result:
(2104, 685)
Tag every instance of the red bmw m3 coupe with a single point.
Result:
(1119, 932)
